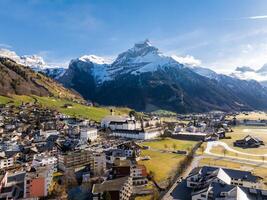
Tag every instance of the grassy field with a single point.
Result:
(250, 116)
(150, 185)
(163, 165)
(257, 170)
(242, 131)
(169, 144)
(75, 110)
(146, 197)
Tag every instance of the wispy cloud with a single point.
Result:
(6, 46)
(258, 17)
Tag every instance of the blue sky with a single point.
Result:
(223, 34)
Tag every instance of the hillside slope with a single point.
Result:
(21, 80)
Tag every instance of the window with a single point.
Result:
(203, 195)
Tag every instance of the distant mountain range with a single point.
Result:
(145, 79)
(35, 62)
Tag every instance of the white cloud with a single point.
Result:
(258, 17)
(252, 55)
(187, 60)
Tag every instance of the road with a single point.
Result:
(210, 145)
(208, 154)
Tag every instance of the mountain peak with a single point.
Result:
(145, 43)
(94, 59)
(144, 47)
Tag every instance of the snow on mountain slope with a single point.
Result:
(94, 59)
(143, 57)
(35, 62)
(205, 72)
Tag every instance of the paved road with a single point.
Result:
(210, 145)
(208, 154)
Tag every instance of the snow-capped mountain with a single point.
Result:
(35, 62)
(143, 57)
(145, 79)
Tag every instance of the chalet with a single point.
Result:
(117, 189)
(139, 174)
(115, 154)
(249, 142)
(131, 149)
(122, 168)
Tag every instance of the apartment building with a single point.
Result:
(38, 181)
(98, 164)
(74, 159)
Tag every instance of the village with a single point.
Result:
(47, 154)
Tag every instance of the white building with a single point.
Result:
(6, 162)
(138, 134)
(106, 120)
(202, 176)
(88, 134)
(46, 134)
(42, 160)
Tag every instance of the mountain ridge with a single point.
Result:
(145, 79)
(21, 80)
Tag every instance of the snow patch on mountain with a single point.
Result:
(95, 59)
(187, 60)
(9, 54)
(35, 62)
(143, 57)
(205, 72)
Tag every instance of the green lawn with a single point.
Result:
(76, 110)
(164, 165)
(169, 144)
(4, 100)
